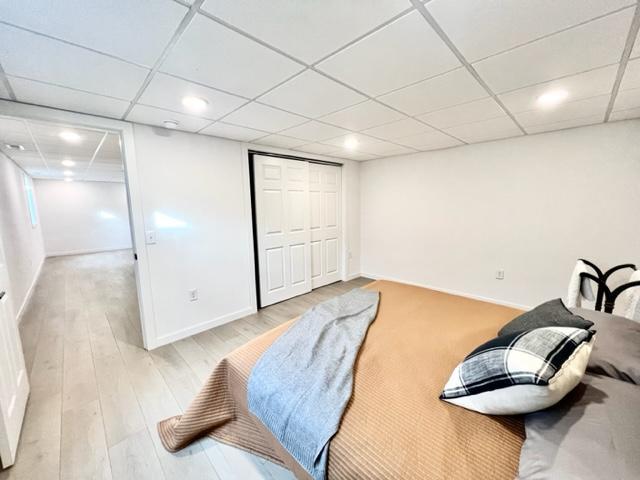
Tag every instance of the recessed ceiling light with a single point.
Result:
(67, 173)
(195, 104)
(351, 143)
(68, 179)
(70, 136)
(552, 98)
(171, 124)
(14, 146)
(68, 163)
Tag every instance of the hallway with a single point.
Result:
(96, 394)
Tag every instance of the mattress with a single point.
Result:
(394, 425)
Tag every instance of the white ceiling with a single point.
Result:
(95, 154)
(400, 76)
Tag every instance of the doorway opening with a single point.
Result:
(67, 261)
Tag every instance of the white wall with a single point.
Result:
(83, 217)
(351, 227)
(195, 195)
(530, 205)
(23, 247)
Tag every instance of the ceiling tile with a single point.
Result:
(362, 116)
(28, 162)
(401, 53)
(631, 77)
(225, 130)
(38, 93)
(583, 85)
(111, 27)
(627, 99)
(262, 117)
(475, 111)
(167, 92)
(582, 48)
(484, 27)
(66, 65)
(429, 141)
(312, 95)
(566, 111)
(493, 129)
(156, 116)
(47, 136)
(387, 149)
(625, 114)
(281, 141)
(109, 152)
(364, 142)
(401, 128)
(14, 132)
(358, 156)
(318, 148)
(575, 122)
(214, 55)
(315, 131)
(311, 30)
(439, 92)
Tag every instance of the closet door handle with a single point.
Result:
(2, 293)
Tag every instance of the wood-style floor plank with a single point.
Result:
(97, 395)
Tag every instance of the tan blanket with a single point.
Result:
(394, 427)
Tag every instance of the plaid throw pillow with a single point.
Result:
(521, 372)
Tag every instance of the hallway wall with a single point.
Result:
(83, 217)
(23, 246)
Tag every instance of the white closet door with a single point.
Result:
(324, 193)
(282, 224)
(14, 385)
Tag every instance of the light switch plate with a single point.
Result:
(150, 237)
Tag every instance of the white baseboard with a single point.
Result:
(27, 297)
(198, 328)
(85, 252)
(449, 291)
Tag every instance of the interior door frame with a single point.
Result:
(134, 194)
(252, 190)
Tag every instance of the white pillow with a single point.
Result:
(630, 299)
(522, 372)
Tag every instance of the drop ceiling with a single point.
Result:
(399, 76)
(41, 150)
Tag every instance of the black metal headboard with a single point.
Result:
(604, 292)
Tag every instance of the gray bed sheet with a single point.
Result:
(592, 434)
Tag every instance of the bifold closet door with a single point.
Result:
(324, 196)
(282, 227)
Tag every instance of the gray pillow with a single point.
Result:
(616, 351)
(591, 434)
(550, 314)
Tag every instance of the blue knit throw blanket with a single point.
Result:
(300, 386)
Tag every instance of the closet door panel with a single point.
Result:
(282, 228)
(327, 231)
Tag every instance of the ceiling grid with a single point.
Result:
(375, 75)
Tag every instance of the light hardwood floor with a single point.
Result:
(96, 394)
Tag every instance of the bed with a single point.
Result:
(394, 425)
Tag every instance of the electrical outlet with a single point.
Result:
(500, 274)
(193, 295)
